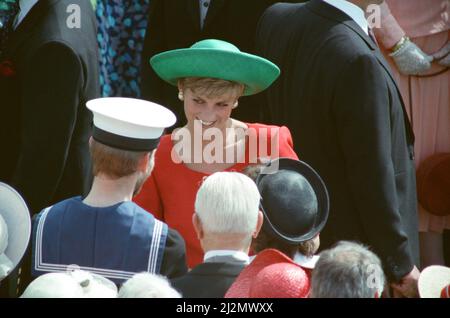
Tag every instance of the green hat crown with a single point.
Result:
(215, 44)
(216, 59)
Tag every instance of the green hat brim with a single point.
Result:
(255, 72)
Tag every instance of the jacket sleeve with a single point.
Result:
(363, 124)
(154, 42)
(390, 32)
(286, 144)
(174, 259)
(50, 99)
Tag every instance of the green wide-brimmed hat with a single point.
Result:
(216, 59)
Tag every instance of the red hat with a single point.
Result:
(433, 184)
(271, 275)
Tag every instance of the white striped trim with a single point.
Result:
(109, 273)
(154, 247)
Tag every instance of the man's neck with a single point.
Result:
(106, 192)
(225, 242)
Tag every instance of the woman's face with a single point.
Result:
(210, 111)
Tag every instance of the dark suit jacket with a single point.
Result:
(44, 123)
(174, 258)
(175, 24)
(338, 97)
(208, 280)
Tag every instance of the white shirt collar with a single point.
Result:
(235, 254)
(305, 261)
(353, 11)
(25, 7)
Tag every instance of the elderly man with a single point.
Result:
(340, 99)
(348, 270)
(106, 233)
(226, 219)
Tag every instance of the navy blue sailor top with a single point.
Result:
(115, 242)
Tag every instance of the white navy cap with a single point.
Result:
(128, 123)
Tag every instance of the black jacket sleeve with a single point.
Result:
(50, 97)
(154, 42)
(174, 259)
(362, 109)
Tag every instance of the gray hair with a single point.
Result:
(348, 270)
(228, 203)
(147, 285)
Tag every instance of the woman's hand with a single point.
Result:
(410, 59)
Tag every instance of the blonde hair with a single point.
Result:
(114, 162)
(212, 87)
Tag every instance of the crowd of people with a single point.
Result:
(216, 148)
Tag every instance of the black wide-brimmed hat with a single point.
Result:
(294, 200)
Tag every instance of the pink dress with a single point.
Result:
(426, 23)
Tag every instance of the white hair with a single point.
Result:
(228, 203)
(348, 270)
(147, 285)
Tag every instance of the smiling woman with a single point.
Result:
(211, 76)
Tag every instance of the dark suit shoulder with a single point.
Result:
(56, 47)
(69, 23)
(278, 14)
(280, 9)
(208, 280)
(174, 259)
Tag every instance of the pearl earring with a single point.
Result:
(235, 104)
(180, 96)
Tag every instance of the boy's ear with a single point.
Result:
(143, 163)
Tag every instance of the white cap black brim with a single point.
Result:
(128, 123)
